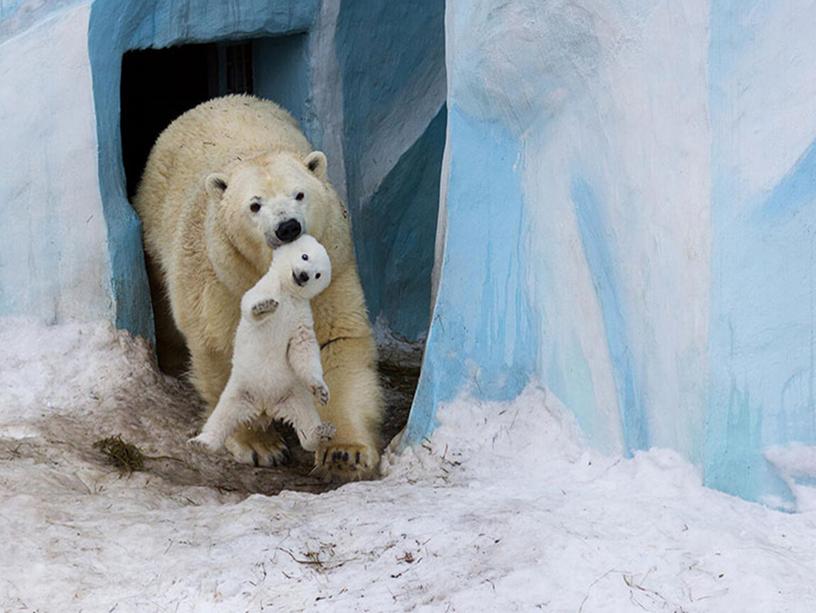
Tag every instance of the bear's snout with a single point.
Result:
(301, 278)
(288, 230)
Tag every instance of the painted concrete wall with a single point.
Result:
(53, 255)
(393, 132)
(629, 196)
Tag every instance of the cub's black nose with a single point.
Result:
(288, 230)
(303, 277)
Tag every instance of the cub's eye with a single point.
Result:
(317, 276)
(255, 207)
(299, 196)
(304, 257)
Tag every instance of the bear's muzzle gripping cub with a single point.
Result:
(225, 184)
(276, 370)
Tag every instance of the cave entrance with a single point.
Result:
(158, 85)
(393, 205)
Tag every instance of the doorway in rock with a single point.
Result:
(157, 86)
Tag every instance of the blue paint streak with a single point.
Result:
(593, 229)
(116, 27)
(481, 337)
(761, 348)
(796, 190)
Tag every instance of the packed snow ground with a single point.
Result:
(504, 509)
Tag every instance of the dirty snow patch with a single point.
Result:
(503, 509)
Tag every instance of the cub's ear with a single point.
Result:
(316, 163)
(216, 185)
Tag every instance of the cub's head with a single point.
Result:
(304, 266)
(270, 200)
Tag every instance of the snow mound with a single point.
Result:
(503, 508)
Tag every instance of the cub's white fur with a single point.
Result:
(276, 370)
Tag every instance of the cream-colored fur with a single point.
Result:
(202, 174)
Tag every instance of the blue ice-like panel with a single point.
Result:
(655, 165)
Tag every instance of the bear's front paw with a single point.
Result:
(264, 307)
(320, 391)
(335, 461)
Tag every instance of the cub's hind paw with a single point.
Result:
(264, 307)
(322, 433)
(324, 430)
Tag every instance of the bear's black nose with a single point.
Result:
(303, 277)
(288, 230)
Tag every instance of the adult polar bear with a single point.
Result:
(224, 184)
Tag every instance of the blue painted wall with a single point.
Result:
(762, 307)
(53, 259)
(480, 338)
(396, 231)
(394, 220)
(630, 224)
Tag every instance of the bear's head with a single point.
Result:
(303, 267)
(271, 200)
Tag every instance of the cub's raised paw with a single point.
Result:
(320, 391)
(335, 461)
(264, 307)
(258, 447)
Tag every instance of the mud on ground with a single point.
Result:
(159, 413)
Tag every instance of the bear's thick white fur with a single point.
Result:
(276, 368)
(203, 175)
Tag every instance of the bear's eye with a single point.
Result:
(317, 276)
(255, 207)
(299, 196)
(304, 257)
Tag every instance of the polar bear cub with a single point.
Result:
(276, 370)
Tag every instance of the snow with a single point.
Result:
(504, 509)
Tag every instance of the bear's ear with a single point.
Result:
(316, 163)
(216, 185)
